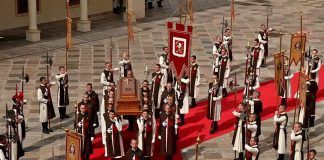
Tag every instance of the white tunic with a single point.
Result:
(121, 64)
(2, 155)
(42, 105)
(252, 149)
(164, 66)
(282, 136)
(104, 82)
(252, 126)
(140, 124)
(288, 91)
(218, 103)
(299, 143)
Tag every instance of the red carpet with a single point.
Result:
(196, 121)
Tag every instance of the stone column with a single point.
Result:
(32, 34)
(84, 25)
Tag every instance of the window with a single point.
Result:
(74, 2)
(22, 6)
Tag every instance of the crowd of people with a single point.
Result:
(164, 102)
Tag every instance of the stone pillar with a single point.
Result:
(32, 34)
(84, 25)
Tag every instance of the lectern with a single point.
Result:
(128, 97)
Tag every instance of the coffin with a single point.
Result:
(128, 97)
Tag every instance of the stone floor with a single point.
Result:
(91, 50)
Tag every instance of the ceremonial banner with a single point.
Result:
(302, 89)
(73, 146)
(179, 46)
(68, 25)
(232, 9)
(297, 47)
(279, 71)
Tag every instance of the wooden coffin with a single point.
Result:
(128, 97)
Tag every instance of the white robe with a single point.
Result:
(254, 150)
(104, 82)
(288, 91)
(238, 146)
(282, 137)
(43, 117)
(164, 66)
(252, 126)
(140, 124)
(121, 65)
(298, 147)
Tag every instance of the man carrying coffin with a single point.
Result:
(158, 82)
(146, 133)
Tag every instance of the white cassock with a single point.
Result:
(14, 150)
(121, 65)
(299, 143)
(164, 66)
(185, 107)
(282, 135)
(42, 105)
(238, 144)
(252, 126)
(226, 75)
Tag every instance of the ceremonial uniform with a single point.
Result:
(252, 152)
(217, 56)
(257, 53)
(125, 66)
(252, 128)
(42, 97)
(21, 129)
(280, 134)
(304, 113)
(96, 106)
(62, 94)
(164, 63)
(114, 142)
(90, 111)
(146, 135)
(263, 39)
(183, 97)
(158, 83)
(167, 131)
(3, 152)
(147, 91)
(165, 94)
(224, 72)
(214, 108)
(85, 128)
(313, 88)
(239, 132)
(227, 41)
(107, 76)
(314, 67)
(194, 83)
(134, 154)
(297, 145)
(256, 107)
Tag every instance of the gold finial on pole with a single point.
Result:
(198, 140)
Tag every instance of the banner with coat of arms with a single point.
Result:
(279, 72)
(179, 48)
(297, 47)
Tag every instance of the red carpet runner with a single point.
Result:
(196, 120)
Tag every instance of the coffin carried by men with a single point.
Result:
(128, 97)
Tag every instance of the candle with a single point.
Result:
(248, 43)
(145, 68)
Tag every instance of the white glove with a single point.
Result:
(94, 125)
(176, 116)
(165, 100)
(92, 139)
(80, 124)
(250, 88)
(164, 123)
(153, 140)
(313, 71)
(109, 130)
(176, 126)
(159, 137)
(214, 98)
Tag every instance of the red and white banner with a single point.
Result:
(179, 46)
